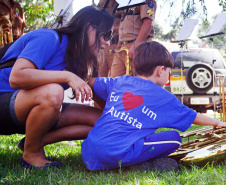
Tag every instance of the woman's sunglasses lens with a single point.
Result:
(108, 36)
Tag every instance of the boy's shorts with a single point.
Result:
(9, 124)
(157, 145)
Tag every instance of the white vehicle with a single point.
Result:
(196, 82)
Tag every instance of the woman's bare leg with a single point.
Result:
(39, 108)
(74, 123)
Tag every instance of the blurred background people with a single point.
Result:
(136, 25)
(12, 21)
(106, 56)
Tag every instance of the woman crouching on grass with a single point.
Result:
(32, 91)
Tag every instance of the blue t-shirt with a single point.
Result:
(134, 109)
(42, 47)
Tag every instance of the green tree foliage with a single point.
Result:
(171, 35)
(223, 4)
(189, 8)
(218, 41)
(38, 13)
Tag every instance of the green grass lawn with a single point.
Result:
(75, 172)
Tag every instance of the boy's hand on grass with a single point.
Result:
(220, 124)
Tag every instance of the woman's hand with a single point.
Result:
(80, 87)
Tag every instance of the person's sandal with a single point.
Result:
(21, 144)
(46, 166)
(21, 147)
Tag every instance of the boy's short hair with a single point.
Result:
(149, 55)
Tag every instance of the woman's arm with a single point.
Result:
(99, 102)
(91, 82)
(25, 75)
(208, 121)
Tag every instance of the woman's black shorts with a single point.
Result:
(7, 114)
(9, 124)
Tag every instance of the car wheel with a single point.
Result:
(200, 78)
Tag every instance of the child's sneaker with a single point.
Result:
(161, 164)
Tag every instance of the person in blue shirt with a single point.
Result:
(135, 108)
(32, 91)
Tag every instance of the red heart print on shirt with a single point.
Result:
(130, 101)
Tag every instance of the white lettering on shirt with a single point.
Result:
(149, 112)
(114, 98)
(117, 114)
(126, 116)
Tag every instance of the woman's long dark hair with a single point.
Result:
(78, 42)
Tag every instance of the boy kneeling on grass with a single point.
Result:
(135, 108)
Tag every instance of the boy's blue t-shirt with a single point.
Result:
(42, 47)
(134, 109)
